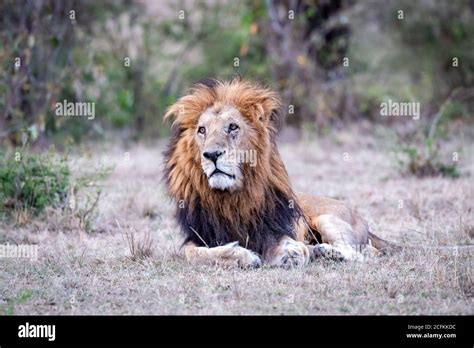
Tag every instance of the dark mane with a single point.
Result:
(208, 228)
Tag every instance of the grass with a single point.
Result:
(140, 247)
(106, 272)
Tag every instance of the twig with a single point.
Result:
(197, 234)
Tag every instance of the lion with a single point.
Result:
(235, 211)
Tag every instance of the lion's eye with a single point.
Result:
(233, 127)
(201, 130)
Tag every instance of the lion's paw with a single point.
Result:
(328, 251)
(232, 254)
(290, 253)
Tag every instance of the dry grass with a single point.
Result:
(106, 272)
(140, 247)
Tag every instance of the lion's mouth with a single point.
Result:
(218, 171)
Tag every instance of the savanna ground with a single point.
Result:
(93, 272)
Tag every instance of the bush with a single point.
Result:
(31, 182)
(422, 157)
(428, 164)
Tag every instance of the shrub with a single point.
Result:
(427, 164)
(423, 158)
(30, 182)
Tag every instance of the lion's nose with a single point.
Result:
(213, 156)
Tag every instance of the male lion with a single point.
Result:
(234, 211)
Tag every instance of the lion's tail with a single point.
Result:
(382, 245)
(387, 247)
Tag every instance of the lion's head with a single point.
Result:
(223, 166)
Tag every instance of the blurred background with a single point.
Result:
(134, 58)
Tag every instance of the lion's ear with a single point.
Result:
(179, 112)
(171, 112)
(270, 109)
(187, 109)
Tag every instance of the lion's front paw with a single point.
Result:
(232, 254)
(290, 253)
(344, 253)
(324, 250)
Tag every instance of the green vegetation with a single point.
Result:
(422, 155)
(32, 182)
(428, 163)
(8, 308)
